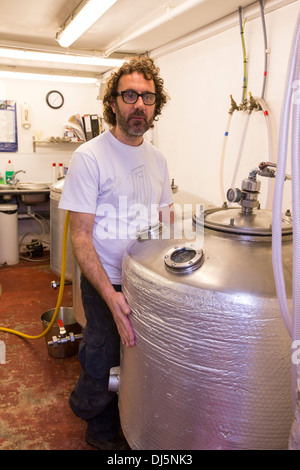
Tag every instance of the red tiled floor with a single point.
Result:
(34, 386)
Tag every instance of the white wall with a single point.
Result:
(199, 78)
(78, 99)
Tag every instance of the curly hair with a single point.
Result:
(144, 65)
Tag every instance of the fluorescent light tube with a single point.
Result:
(22, 54)
(87, 16)
(51, 78)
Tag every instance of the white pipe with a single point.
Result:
(295, 147)
(271, 158)
(269, 200)
(238, 160)
(169, 14)
(225, 140)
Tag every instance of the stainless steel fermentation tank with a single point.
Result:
(57, 225)
(211, 366)
(57, 222)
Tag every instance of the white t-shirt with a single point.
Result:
(123, 186)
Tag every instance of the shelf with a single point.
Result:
(51, 142)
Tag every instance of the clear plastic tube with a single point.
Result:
(271, 158)
(295, 146)
(238, 160)
(279, 182)
(225, 140)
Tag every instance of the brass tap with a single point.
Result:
(253, 104)
(243, 106)
(234, 106)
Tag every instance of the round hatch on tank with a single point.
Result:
(183, 259)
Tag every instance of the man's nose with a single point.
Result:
(139, 103)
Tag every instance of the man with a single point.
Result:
(112, 179)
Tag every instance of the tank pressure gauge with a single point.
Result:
(234, 195)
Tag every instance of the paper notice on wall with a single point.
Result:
(8, 126)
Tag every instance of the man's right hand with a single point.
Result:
(120, 311)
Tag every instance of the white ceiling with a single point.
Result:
(33, 24)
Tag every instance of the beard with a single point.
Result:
(134, 124)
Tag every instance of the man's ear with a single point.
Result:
(113, 105)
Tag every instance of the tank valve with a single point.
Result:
(234, 106)
(114, 379)
(56, 340)
(247, 196)
(63, 338)
(55, 284)
(253, 104)
(174, 186)
(268, 169)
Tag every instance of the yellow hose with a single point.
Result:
(60, 294)
(245, 61)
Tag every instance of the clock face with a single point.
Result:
(55, 99)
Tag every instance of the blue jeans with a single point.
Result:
(99, 351)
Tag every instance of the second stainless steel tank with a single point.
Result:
(57, 222)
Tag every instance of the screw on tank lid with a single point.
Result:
(233, 220)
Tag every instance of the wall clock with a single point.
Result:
(54, 99)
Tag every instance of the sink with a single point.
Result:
(32, 186)
(36, 195)
(6, 197)
(7, 186)
(33, 198)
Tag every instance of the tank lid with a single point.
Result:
(233, 220)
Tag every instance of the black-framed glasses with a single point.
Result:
(131, 97)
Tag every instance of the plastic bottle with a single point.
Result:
(53, 172)
(60, 170)
(9, 171)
